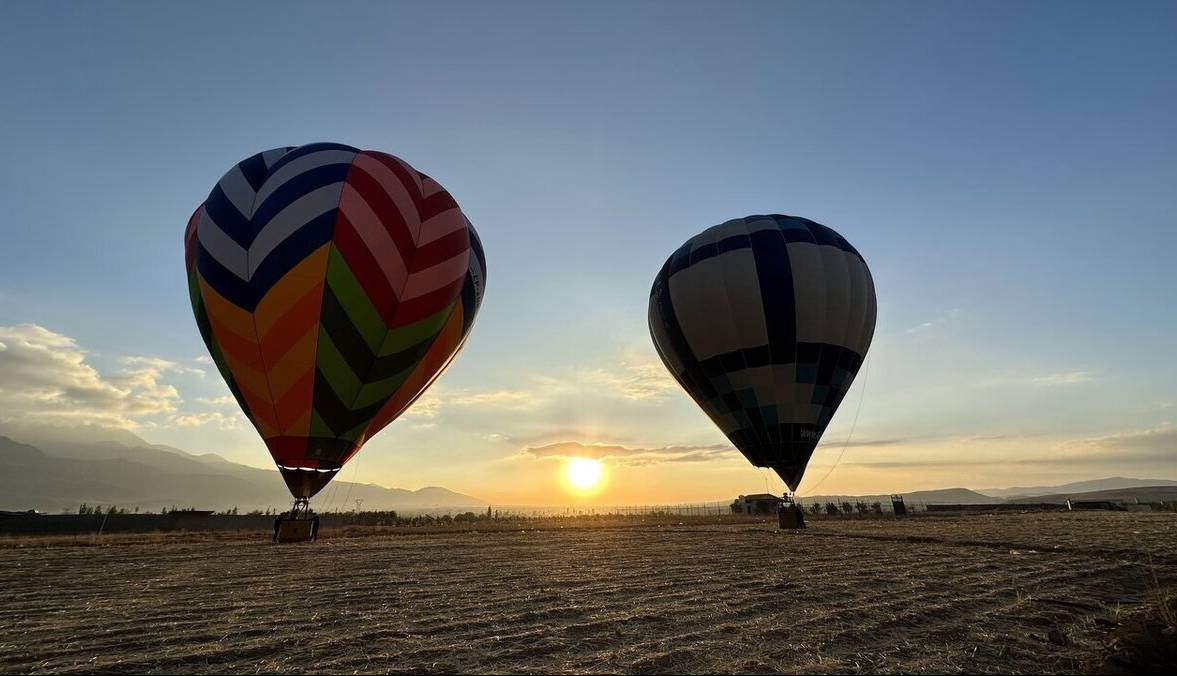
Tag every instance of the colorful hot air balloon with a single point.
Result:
(331, 286)
(765, 321)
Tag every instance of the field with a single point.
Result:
(981, 593)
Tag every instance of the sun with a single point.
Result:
(583, 474)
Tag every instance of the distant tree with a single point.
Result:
(815, 508)
(861, 507)
(488, 511)
(847, 508)
(831, 508)
(876, 507)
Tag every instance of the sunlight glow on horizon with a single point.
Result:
(583, 475)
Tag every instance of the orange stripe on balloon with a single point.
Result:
(232, 318)
(294, 407)
(291, 330)
(240, 350)
(294, 365)
(291, 290)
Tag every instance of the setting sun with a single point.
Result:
(583, 474)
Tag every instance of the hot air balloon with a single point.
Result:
(331, 286)
(765, 321)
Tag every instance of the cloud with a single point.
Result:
(932, 324)
(428, 405)
(635, 380)
(638, 379)
(1156, 446)
(623, 455)
(865, 442)
(1064, 378)
(224, 421)
(44, 376)
(1059, 379)
(1156, 443)
(493, 398)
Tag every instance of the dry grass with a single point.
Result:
(978, 594)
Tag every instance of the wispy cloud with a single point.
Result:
(1154, 443)
(1118, 450)
(865, 443)
(634, 379)
(932, 324)
(1064, 378)
(1056, 379)
(224, 421)
(623, 455)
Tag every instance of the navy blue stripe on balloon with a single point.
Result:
(692, 379)
(227, 284)
(476, 247)
(226, 217)
(680, 259)
(246, 295)
(468, 305)
(309, 148)
(295, 188)
(775, 276)
(824, 361)
(791, 229)
(254, 170)
(312, 235)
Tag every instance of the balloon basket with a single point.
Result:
(789, 515)
(300, 524)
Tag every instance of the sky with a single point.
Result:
(1008, 171)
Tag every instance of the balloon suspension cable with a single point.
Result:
(853, 424)
(356, 465)
(300, 508)
(330, 503)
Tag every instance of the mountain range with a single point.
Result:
(1109, 484)
(54, 470)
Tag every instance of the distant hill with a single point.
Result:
(1110, 483)
(61, 473)
(1141, 493)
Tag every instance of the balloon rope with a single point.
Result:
(334, 494)
(861, 395)
(352, 482)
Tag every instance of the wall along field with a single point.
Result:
(1009, 593)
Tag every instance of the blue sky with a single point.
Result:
(1007, 169)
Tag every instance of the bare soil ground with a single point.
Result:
(1029, 593)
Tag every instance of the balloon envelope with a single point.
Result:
(765, 321)
(331, 286)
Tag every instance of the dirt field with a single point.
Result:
(1003, 593)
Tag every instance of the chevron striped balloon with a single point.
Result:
(765, 321)
(331, 286)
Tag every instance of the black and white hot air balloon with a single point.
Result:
(765, 321)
